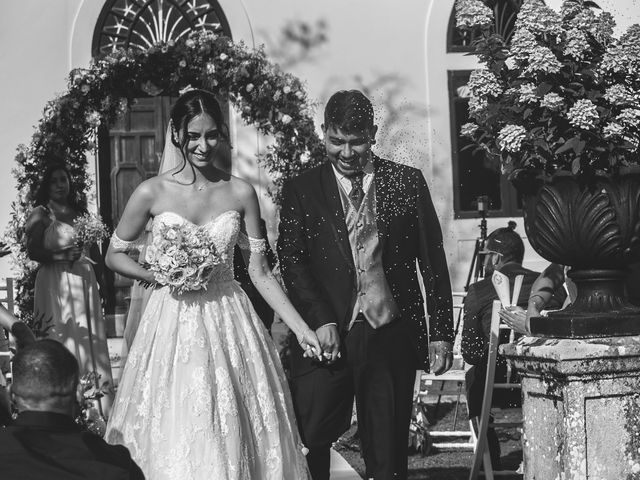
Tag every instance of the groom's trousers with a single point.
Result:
(378, 366)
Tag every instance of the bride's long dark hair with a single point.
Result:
(187, 107)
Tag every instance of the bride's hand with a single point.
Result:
(149, 280)
(308, 340)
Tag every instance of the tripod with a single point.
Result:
(476, 268)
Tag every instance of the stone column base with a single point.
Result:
(581, 407)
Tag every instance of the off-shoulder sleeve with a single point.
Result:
(120, 245)
(254, 245)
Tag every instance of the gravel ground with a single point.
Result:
(444, 464)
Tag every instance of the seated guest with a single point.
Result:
(549, 280)
(44, 442)
(504, 252)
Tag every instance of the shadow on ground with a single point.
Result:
(443, 464)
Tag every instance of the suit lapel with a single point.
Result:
(382, 200)
(334, 204)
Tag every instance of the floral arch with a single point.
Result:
(264, 96)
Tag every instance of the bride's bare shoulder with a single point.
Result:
(151, 188)
(241, 187)
(157, 184)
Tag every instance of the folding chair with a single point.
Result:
(481, 455)
(455, 375)
(7, 299)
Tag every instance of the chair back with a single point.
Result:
(6, 295)
(6, 299)
(482, 457)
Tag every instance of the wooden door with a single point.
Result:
(135, 144)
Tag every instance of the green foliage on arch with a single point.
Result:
(274, 101)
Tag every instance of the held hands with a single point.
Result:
(310, 344)
(440, 357)
(329, 338)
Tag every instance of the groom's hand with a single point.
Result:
(329, 339)
(440, 357)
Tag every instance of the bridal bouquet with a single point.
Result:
(90, 229)
(182, 257)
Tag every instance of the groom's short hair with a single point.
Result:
(349, 111)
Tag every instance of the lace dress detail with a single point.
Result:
(120, 245)
(254, 245)
(203, 393)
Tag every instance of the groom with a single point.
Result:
(351, 231)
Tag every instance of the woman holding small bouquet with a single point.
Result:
(59, 230)
(203, 393)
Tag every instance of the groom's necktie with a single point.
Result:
(357, 193)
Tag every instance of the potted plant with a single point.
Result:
(559, 108)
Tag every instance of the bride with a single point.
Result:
(203, 394)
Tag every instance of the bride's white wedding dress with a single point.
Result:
(203, 394)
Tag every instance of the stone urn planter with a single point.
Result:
(593, 227)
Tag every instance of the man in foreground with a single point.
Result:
(44, 442)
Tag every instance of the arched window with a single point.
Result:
(143, 23)
(474, 174)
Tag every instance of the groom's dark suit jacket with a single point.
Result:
(317, 262)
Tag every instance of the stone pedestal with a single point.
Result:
(581, 407)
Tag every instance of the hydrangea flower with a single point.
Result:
(527, 93)
(522, 43)
(583, 114)
(536, 17)
(473, 13)
(602, 29)
(633, 140)
(614, 60)
(631, 38)
(576, 45)
(477, 106)
(583, 20)
(570, 8)
(542, 60)
(468, 129)
(629, 117)
(484, 83)
(630, 47)
(619, 95)
(552, 101)
(612, 129)
(510, 138)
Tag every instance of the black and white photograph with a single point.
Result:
(337, 240)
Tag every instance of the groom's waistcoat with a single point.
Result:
(372, 295)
